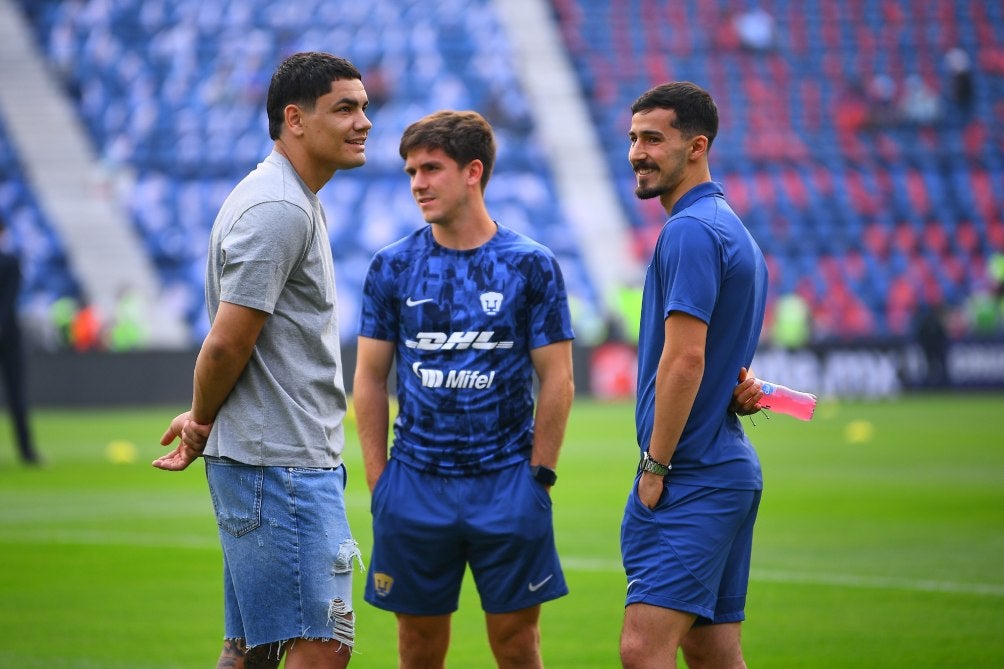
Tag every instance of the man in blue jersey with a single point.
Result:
(469, 311)
(687, 531)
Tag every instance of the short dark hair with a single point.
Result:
(300, 80)
(464, 136)
(696, 113)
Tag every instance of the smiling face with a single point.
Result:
(442, 188)
(335, 128)
(659, 154)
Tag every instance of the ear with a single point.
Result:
(698, 147)
(294, 119)
(474, 170)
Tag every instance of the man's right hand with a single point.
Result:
(193, 437)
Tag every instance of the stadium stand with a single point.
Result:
(871, 188)
(46, 274)
(172, 93)
(871, 185)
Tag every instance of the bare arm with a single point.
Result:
(371, 400)
(222, 359)
(553, 365)
(681, 368)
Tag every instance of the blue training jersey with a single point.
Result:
(464, 323)
(705, 264)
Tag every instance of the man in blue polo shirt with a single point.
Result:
(687, 531)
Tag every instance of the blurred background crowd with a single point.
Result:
(862, 143)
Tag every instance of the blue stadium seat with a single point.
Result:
(174, 91)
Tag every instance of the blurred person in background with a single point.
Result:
(469, 310)
(960, 73)
(12, 358)
(687, 533)
(931, 334)
(269, 398)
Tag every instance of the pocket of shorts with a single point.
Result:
(641, 506)
(540, 493)
(376, 498)
(236, 490)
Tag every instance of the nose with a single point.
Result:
(634, 152)
(364, 122)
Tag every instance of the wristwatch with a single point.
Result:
(543, 475)
(647, 464)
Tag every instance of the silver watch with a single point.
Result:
(653, 466)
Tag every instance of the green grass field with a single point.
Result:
(880, 544)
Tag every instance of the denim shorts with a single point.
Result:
(287, 551)
(692, 551)
(428, 528)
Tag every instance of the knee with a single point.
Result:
(700, 655)
(422, 643)
(517, 647)
(633, 650)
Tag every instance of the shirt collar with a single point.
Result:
(696, 193)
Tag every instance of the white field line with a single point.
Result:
(825, 579)
(203, 542)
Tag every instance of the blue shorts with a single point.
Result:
(428, 528)
(692, 552)
(287, 551)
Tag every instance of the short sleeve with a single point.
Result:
(260, 252)
(690, 259)
(377, 318)
(550, 317)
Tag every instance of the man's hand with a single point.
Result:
(746, 394)
(193, 438)
(650, 487)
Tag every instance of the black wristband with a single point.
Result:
(544, 475)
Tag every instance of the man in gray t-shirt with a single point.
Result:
(269, 251)
(269, 397)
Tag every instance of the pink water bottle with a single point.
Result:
(783, 399)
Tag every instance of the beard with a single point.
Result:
(665, 182)
(648, 192)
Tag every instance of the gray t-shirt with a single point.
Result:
(269, 250)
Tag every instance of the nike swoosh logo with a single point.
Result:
(414, 303)
(534, 587)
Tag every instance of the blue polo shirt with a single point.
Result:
(705, 264)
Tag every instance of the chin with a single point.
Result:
(355, 160)
(648, 193)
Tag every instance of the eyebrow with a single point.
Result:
(352, 102)
(421, 165)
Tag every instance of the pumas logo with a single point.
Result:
(440, 341)
(382, 583)
(491, 302)
(463, 378)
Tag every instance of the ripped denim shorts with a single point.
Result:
(288, 553)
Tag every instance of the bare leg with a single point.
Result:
(422, 641)
(714, 647)
(515, 638)
(235, 655)
(317, 654)
(652, 635)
